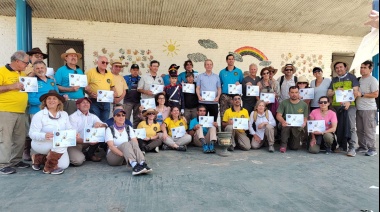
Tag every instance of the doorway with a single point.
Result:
(56, 47)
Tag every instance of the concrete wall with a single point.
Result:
(174, 44)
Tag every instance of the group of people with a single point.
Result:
(59, 105)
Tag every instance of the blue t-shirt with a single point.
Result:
(132, 94)
(43, 88)
(182, 76)
(62, 79)
(230, 77)
(194, 122)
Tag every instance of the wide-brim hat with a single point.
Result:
(37, 51)
(271, 68)
(345, 61)
(289, 65)
(302, 79)
(52, 93)
(71, 51)
(115, 61)
(150, 110)
(82, 99)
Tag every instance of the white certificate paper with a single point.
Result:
(148, 103)
(240, 123)
(316, 125)
(50, 72)
(105, 96)
(208, 95)
(64, 138)
(253, 90)
(178, 132)
(78, 80)
(307, 93)
(155, 88)
(206, 121)
(188, 88)
(140, 133)
(267, 97)
(344, 96)
(234, 89)
(30, 84)
(294, 120)
(92, 135)
(196, 77)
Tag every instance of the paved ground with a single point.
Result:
(192, 181)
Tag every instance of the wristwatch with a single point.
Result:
(362, 94)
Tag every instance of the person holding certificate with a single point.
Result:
(81, 120)
(236, 111)
(174, 141)
(250, 80)
(291, 106)
(50, 119)
(173, 92)
(153, 139)
(303, 83)
(320, 85)
(266, 85)
(204, 136)
(262, 126)
(191, 98)
(325, 138)
(123, 146)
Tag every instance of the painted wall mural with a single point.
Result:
(207, 44)
(141, 57)
(197, 57)
(304, 63)
(171, 48)
(252, 51)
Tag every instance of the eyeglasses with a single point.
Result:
(38, 56)
(288, 69)
(265, 73)
(237, 99)
(323, 102)
(104, 62)
(150, 114)
(271, 72)
(26, 63)
(161, 98)
(120, 115)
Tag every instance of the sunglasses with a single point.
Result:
(265, 73)
(288, 69)
(323, 102)
(26, 63)
(150, 114)
(302, 82)
(120, 115)
(104, 62)
(237, 99)
(118, 66)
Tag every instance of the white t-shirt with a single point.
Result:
(120, 137)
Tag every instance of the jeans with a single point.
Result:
(100, 109)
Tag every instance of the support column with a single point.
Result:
(28, 27)
(21, 24)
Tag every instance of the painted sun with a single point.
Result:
(171, 47)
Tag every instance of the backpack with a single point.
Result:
(126, 128)
(283, 78)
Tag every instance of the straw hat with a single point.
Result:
(117, 61)
(302, 79)
(150, 110)
(71, 51)
(289, 66)
(271, 68)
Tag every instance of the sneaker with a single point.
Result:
(361, 150)
(7, 170)
(328, 151)
(231, 148)
(339, 150)
(157, 149)
(36, 167)
(138, 169)
(351, 152)
(57, 171)
(205, 148)
(166, 147)
(22, 165)
(182, 148)
(211, 147)
(283, 149)
(271, 148)
(144, 165)
(371, 153)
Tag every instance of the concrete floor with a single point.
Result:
(192, 181)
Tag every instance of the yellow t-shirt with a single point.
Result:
(151, 130)
(14, 100)
(230, 114)
(173, 124)
(120, 84)
(98, 81)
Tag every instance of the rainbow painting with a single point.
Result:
(249, 50)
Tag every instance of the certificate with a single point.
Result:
(140, 133)
(307, 93)
(240, 123)
(105, 96)
(64, 138)
(234, 89)
(208, 95)
(188, 88)
(294, 120)
(196, 75)
(267, 97)
(206, 121)
(155, 88)
(148, 103)
(50, 72)
(178, 132)
(92, 135)
(316, 125)
(253, 90)
(78, 80)
(344, 96)
(30, 84)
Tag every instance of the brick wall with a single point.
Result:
(307, 50)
